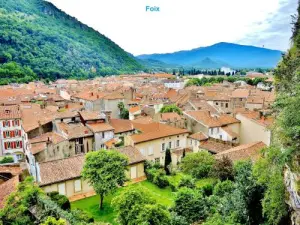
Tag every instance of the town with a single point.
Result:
(46, 129)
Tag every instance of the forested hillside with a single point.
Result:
(38, 40)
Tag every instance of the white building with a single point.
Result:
(13, 139)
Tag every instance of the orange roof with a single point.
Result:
(121, 126)
(113, 96)
(242, 152)
(133, 154)
(134, 109)
(154, 131)
(143, 120)
(10, 112)
(206, 119)
(240, 93)
(100, 127)
(170, 116)
(214, 146)
(200, 136)
(89, 115)
(230, 132)
(7, 188)
(255, 116)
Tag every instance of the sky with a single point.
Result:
(186, 24)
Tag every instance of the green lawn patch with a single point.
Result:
(91, 205)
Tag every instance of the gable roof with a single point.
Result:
(207, 120)
(61, 170)
(200, 136)
(100, 127)
(214, 146)
(170, 116)
(154, 131)
(90, 115)
(242, 152)
(74, 130)
(133, 154)
(10, 112)
(121, 125)
(7, 188)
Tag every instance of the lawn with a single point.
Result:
(91, 205)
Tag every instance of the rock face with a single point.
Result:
(291, 179)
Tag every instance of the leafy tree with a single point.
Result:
(171, 108)
(105, 171)
(190, 204)
(223, 188)
(136, 206)
(198, 164)
(178, 220)
(223, 169)
(124, 114)
(168, 161)
(52, 221)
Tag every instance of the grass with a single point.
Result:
(91, 205)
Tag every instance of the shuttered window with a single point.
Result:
(77, 185)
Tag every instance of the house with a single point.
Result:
(171, 119)
(81, 138)
(13, 139)
(195, 139)
(134, 112)
(136, 162)
(214, 146)
(223, 127)
(63, 176)
(122, 127)
(239, 98)
(243, 152)
(103, 132)
(254, 127)
(155, 138)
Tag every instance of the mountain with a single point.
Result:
(221, 54)
(40, 40)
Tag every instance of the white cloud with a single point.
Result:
(180, 24)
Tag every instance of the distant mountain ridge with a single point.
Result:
(221, 54)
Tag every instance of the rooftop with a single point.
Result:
(100, 127)
(132, 153)
(121, 125)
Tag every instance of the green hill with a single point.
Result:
(39, 40)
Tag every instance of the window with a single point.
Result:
(6, 123)
(19, 156)
(217, 103)
(163, 147)
(103, 135)
(212, 131)
(226, 105)
(191, 141)
(6, 134)
(19, 144)
(157, 160)
(218, 130)
(15, 123)
(195, 143)
(77, 185)
(150, 152)
(221, 137)
(170, 145)
(177, 143)
(143, 151)
(62, 188)
(222, 104)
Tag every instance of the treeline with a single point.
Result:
(213, 80)
(194, 71)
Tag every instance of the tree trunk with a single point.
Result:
(101, 202)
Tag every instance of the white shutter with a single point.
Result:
(62, 188)
(150, 152)
(77, 185)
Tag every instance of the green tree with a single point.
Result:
(223, 169)
(187, 181)
(171, 108)
(105, 171)
(168, 161)
(190, 204)
(124, 114)
(198, 164)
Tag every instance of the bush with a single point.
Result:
(158, 177)
(7, 159)
(187, 181)
(223, 169)
(198, 164)
(223, 188)
(61, 200)
(207, 189)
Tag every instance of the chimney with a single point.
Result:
(92, 93)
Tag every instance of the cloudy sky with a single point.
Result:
(186, 24)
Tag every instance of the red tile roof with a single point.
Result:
(100, 127)
(7, 188)
(133, 154)
(155, 131)
(242, 152)
(10, 112)
(214, 146)
(172, 116)
(121, 126)
(200, 136)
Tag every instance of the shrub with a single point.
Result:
(61, 200)
(223, 169)
(223, 188)
(158, 177)
(187, 181)
(7, 159)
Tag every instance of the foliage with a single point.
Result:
(136, 206)
(39, 40)
(156, 174)
(61, 200)
(190, 204)
(197, 164)
(223, 169)
(168, 161)
(7, 159)
(105, 171)
(187, 181)
(124, 114)
(171, 108)
(52, 221)
(223, 188)
(178, 220)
